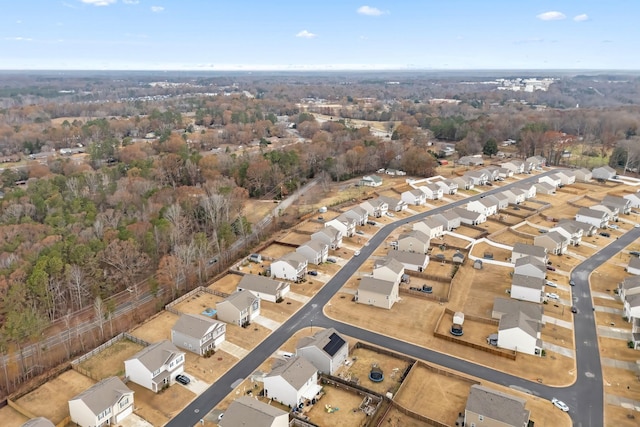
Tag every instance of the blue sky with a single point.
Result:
(321, 34)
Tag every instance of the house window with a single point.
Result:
(124, 402)
(480, 417)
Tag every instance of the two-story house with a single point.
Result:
(315, 251)
(413, 197)
(155, 366)
(414, 241)
(107, 402)
(198, 334)
(375, 207)
(432, 191)
(359, 214)
(240, 308)
(491, 408)
(248, 411)
(291, 266)
(330, 236)
(264, 288)
(292, 382)
(555, 243)
(597, 218)
(327, 350)
(429, 226)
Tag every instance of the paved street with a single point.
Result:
(585, 397)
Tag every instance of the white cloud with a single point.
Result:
(581, 17)
(130, 1)
(19, 39)
(551, 16)
(306, 34)
(370, 11)
(99, 2)
(157, 9)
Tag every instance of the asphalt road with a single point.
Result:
(585, 397)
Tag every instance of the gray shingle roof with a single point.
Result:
(194, 325)
(103, 395)
(497, 405)
(533, 250)
(38, 422)
(527, 281)
(241, 300)
(155, 356)
(247, 411)
(296, 371)
(378, 286)
(323, 340)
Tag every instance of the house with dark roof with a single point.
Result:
(491, 408)
(327, 350)
(239, 308)
(248, 411)
(264, 288)
(106, 402)
(155, 366)
(198, 334)
(292, 382)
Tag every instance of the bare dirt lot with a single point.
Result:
(159, 408)
(295, 238)
(281, 311)
(12, 418)
(50, 400)
(364, 360)
(157, 328)
(110, 361)
(209, 369)
(226, 284)
(198, 303)
(347, 413)
(248, 337)
(509, 238)
(275, 250)
(396, 418)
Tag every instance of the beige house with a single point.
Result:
(389, 269)
(492, 408)
(264, 288)
(555, 243)
(240, 308)
(247, 411)
(377, 292)
(414, 241)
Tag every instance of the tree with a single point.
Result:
(490, 147)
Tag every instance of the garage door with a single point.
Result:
(122, 415)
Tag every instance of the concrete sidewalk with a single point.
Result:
(234, 350)
(267, 323)
(297, 297)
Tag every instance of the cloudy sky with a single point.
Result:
(321, 34)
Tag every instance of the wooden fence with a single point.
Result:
(423, 295)
(427, 276)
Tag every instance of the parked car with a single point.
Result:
(313, 273)
(560, 404)
(574, 309)
(551, 268)
(360, 232)
(356, 253)
(551, 284)
(542, 230)
(371, 223)
(613, 226)
(552, 296)
(489, 184)
(634, 253)
(636, 225)
(183, 379)
(604, 234)
(331, 260)
(572, 283)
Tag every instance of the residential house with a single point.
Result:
(517, 166)
(448, 186)
(330, 236)
(623, 204)
(521, 250)
(106, 402)
(502, 199)
(315, 251)
(583, 175)
(359, 214)
(264, 288)
(529, 188)
(38, 422)
(388, 269)
(487, 206)
(493, 172)
(629, 286)
(375, 207)
(377, 292)
(587, 229)
(611, 211)
(555, 243)
(155, 366)
(530, 266)
(515, 195)
(634, 200)
(450, 220)
(603, 173)
(597, 218)
(471, 160)
(291, 266)
(327, 350)
(538, 162)
(414, 241)
(464, 182)
(505, 173)
(502, 306)
(567, 177)
(545, 188)
(470, 217)
(343, 223)
(248, 411)
(395, 205)
(479, 177)
(457, 257)
(432, 191)
(528, 166)
(292, 382)
(570, 231)
(492, 408)
(198, 334)
(413, 197)
(634, 266)
(527, 288)
(521, 333)
(429, 226)
(410, 260)
(631, 307)
(239, 308)
(371, 181)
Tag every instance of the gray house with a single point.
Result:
(264, 288)
(487, 407)
(326, 350)
(240, 308)
(247, 411)
(198, 334)
(38, 422)
(603, 173)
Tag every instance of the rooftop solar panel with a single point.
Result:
(334, 344)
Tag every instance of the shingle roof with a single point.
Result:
(591, 213)
(413, 258)
(523, 248)
(390, 263)
(315, 245)
(38, 422)
(521, 321)
(416, 234)
(497, 405)
(155, 356)
(194, 325)
(508, 305)
(261, 284)
(241, 299)
(103, 395)
(327, 340)
(296, 371)
(378, 286)
(527, 281)
(247, 411)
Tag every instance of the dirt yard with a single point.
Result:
(12, 418)
(281, 311)
(226, 284)
(209, 369)
(159, 408)
(50, 400)
(197, 303)
(509, 238)
(157, 328)
(363, 361)
(248, 337)
(110, 361)
(396, 418)
(295, 238)
(475, 290)
(275, 250)
(346, 403)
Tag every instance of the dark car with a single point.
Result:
(542, 230)
(313, 273)
(551, 268)
(183, 379)
(371, 222)
(634, 253)
(604, 234)
(574, 310)
(331, 260)
(572, 283)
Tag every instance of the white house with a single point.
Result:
(520, 333)
(502, 306)
(248, 411)
(450, 220)
(530, 266)
(629, 286)
(327, 350)
(292, 382)
(291, 266)
(517, 166)
(634, 266)
(515, 195)
(583, 175)
(377, 292)
(413, 241)
(594, 217)
(521, 250)
(555, 243)
(527, 288)
(485, 206)
(330, 236)
(488, 407)
(410, 260)
(570, 231)
(264, 288)
(104, 403)
(359, 214)
(155, 366)
(505, 173)
(239, 308)
(413, 197)
(464, 182)
(493, 172)
(375, 207)
(315, 251)
(429, 226)
(537, 161)
(198, 334)
(610, 210)
(388, 269)
(603, 173)
(634, 199)
(432, 191)
(371, 181)
(346, 225)
(479, 177)
(545, 188)
(393, 204)
(567, 177)
(623, 204)
(530, 190)
(470, 217)
(502, 200)
(448, 186)
(552, 179)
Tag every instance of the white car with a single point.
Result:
(636, 226)
(552, 296)
(551, 284)
(613, 226)
(560, 404)
(356, 253)
(390, 214)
